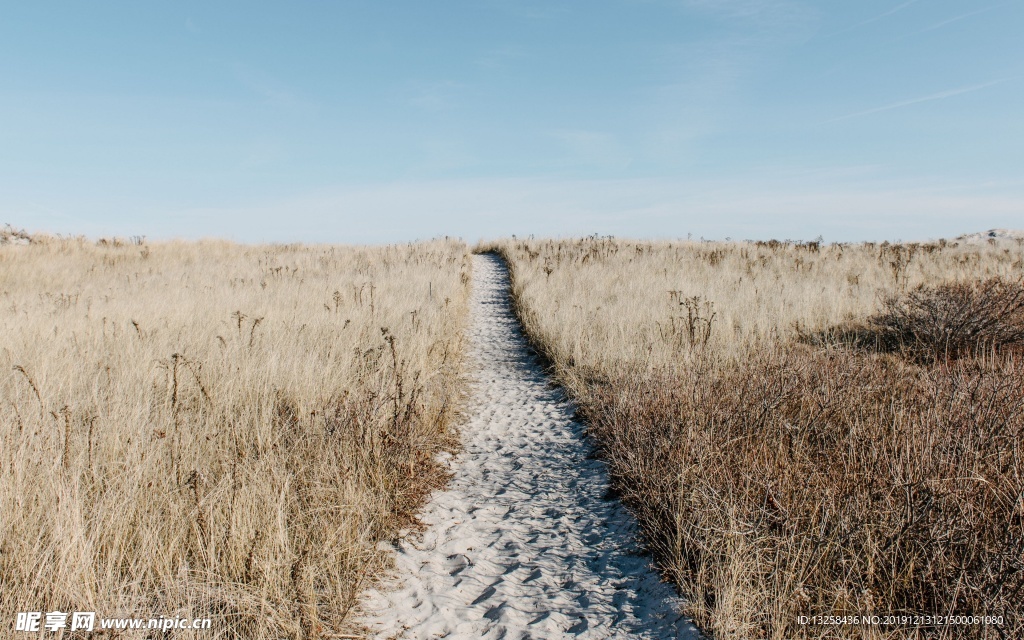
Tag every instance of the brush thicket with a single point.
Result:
(802, 429)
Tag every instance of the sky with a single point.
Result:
(373, 121)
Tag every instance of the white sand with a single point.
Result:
(992, 235)
(522, 543)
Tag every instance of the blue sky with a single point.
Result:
(353, 121)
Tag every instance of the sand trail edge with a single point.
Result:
(522, 543)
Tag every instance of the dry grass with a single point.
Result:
(779, 469)
(207, 429)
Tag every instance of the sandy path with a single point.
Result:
(522, 543)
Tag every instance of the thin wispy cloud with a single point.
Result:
(963, 16)
(709, 74)
(886, 14)
(499, 57)
(272, 90)
(934, 96)
(434, 96)
(528, 10)
(776, 19)
(649, 117)
(590, 148)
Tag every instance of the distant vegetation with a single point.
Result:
(801, 428)
(212, 430)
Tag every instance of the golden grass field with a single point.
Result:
(212, 430)
(802, 429)
(205, 429)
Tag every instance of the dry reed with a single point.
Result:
(211, 430)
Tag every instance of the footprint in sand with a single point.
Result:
(539, 550)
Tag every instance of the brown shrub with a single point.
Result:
(775, 478)
(953, 319)
(825, 483)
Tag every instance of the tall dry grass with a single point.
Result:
(212, 430)
(802, 429)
